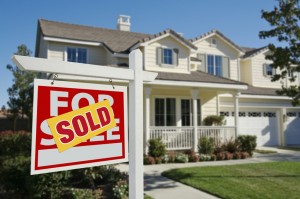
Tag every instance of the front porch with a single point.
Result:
(185, 138)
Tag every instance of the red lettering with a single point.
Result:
(104, 116)
(69, 135)
(90, 120)
(80, 126)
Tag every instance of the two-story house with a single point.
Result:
(208, 75)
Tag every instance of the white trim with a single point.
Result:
(198, 84)
(258, 96)
(72, 41)
(258, 105)
(120, 55)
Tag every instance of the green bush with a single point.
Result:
(232, 146)
(156, 148)
(213, 120)
(15, 143)
(247, 143)
(206, 145)
(181, 158)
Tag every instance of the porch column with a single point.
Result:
(236, 111)
(147, 118)
(195, 95)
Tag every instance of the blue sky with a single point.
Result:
(239, 20)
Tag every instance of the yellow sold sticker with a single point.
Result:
(75, 127)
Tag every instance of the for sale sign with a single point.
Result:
(77, 125)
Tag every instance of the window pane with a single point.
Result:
(71, 54)
(218, 66)
(82, 55)
(269, 70)
(159, 112)
(167, 56)
(210, 64)
(199, 112)
(185, 113)
(171, 111)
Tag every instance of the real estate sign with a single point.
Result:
(77, 125)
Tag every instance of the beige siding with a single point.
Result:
(259, 80)
(222, 49)
(96, 55)
(209, 103)
(43, 48)
(246, 72)
(168, 42)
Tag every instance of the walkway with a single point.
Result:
(160, 187)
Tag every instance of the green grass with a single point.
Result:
(290, 148)
(265, 151)
(275, 180)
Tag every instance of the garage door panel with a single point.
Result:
(292, 133)
(263, 124)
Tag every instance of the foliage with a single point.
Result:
(204, 157)
(237, 155)
(264, 151)
(264, 180)
(193, 157)
(213, 120)
(21, 92)
(231, 145)
(284, 20)
(206, 145)
(156, 148)
(149, 160)
(15, 143)
(121, 190)
(247, 143)
(181, 158)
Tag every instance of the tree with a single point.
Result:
(284, 20)
(21, 92)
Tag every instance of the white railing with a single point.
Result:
(175, 138)
(180, 138)
(219, 133)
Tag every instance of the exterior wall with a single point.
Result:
(43, 51)
(223, 49)
(209, 103)
(246, 72)
(150, 56)
(96, 55)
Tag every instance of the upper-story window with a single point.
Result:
(78, 55)
(213, 42)
(167, 56)
(214, 65)
(268, 70)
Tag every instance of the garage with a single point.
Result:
(292, 132)
(262, 123)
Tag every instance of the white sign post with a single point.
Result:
(135, 75)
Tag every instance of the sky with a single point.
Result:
(239, 20)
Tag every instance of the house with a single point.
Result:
(207, 75)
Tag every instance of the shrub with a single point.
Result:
(156, 148)
(245, 155)
(149, 160)
(213, 157)
(193, 157)
(15, 143)
(205, 157)
(165, 159)
(206, 145)
(171, 157)
(248, 143)
(228, 156)
(237, 155)
(158, 160)
(181, 158)
(220, 156)
(213, 120)
(231, 145)
(121, 189)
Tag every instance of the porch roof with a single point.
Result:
(196, 76)
(260, 91)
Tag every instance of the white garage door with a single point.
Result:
(262, 123)
(292, 133)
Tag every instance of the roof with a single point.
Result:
(114, 40)
(259, 91)
(196, 76)
(251, 52)
(219, 34)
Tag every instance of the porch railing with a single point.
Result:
(181, 138)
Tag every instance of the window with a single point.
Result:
(165, 112)
(167, 57)
(213, 42)
(214, 65)
(268, 70)
(78, 55)
(187, 112)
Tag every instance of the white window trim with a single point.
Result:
(66, 53)
(214, 55)
(213, 42)
(164, 64)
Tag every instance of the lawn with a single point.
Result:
(290, 148)
(263, 180)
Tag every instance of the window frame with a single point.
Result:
(77, 54)
(169, 56)
(214, 66)
(165, 113)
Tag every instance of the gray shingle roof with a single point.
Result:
(250, 52)
(221, 35)
(196, 76)
(114, 40)
(259, 91)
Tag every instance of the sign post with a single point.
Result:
(136, 77)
